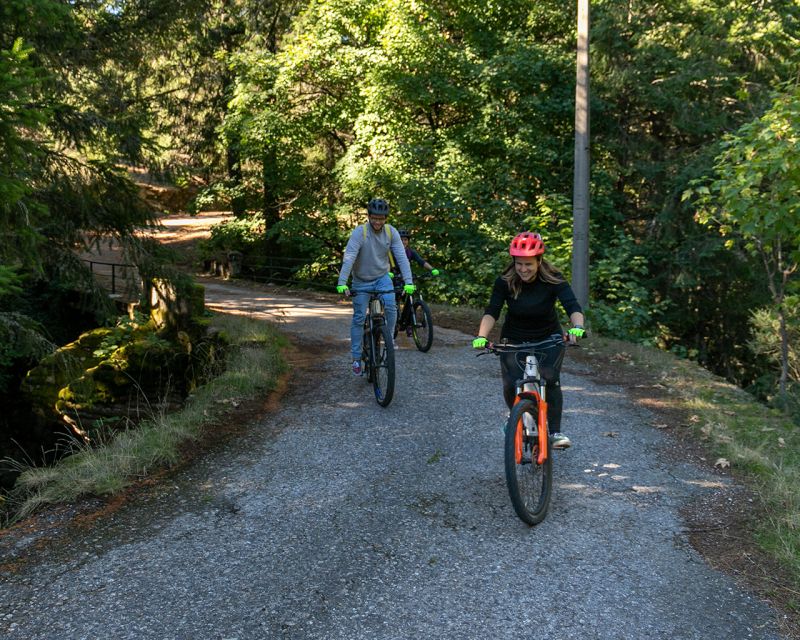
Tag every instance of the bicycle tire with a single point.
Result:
(383, 365)
(422, 327)
(530, 484)
(366, 354)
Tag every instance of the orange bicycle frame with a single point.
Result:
(541, 430)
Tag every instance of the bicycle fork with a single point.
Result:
(530, 388)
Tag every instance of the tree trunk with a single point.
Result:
(270, 206)
(233, 161)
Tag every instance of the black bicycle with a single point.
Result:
(377, 349)
(414, 316)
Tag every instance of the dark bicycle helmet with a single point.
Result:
(404, 233)
(378, 207)
(527, 245)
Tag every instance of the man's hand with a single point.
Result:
(410, 288)
(479, 342)
(342, 288)
(435, 272)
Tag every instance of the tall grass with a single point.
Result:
(254, 364)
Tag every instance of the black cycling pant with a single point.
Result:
(512, 366)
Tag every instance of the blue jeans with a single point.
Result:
(360, 300)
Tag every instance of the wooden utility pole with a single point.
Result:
(580, 193)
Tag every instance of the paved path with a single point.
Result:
(337, 519)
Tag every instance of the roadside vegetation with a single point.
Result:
(253, 369)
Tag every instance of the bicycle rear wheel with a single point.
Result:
(529, 483)
(422, 328)
(383, 365)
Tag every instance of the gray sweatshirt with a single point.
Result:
(367, 254)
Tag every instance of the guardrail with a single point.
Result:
(118, 272)
(291, 271)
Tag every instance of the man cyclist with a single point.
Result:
(371, 251)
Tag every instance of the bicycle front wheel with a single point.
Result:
(422, 329)
(383, 365)
(366, 354)
(529, 483)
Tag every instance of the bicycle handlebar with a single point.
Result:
(493, 347)
(372, 292)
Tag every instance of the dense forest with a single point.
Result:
(293, 113)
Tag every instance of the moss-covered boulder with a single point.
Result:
(113, 378)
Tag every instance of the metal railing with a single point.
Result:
(124, 278)
(301, 272)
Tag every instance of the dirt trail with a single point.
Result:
(335, 518)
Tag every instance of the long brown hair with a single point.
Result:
(546, 273)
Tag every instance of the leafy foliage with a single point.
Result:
(753, 197)
(294, 113)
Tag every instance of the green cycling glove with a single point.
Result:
(410, 288)
(342, 288)
(391, 275)
(479, 342)
(577, 331)
(434, 272)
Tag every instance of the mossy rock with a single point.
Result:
(43, 383)
(104, 384)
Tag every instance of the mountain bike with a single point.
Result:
(414, 314)
(528, 461)
(377, 349)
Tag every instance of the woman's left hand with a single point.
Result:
(575, 333)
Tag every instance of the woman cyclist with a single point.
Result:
(530, 286)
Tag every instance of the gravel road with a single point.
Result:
(335, 518)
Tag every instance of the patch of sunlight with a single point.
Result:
(193, 221)
(642, 489)
(697, 403)
(586, 411)
(592, 394)
(611, 465)
(620, 478)
(264, 307)
(582, 488)
(707, 484)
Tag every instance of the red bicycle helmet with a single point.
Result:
(526, 245)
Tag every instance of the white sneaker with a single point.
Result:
(559, 441)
